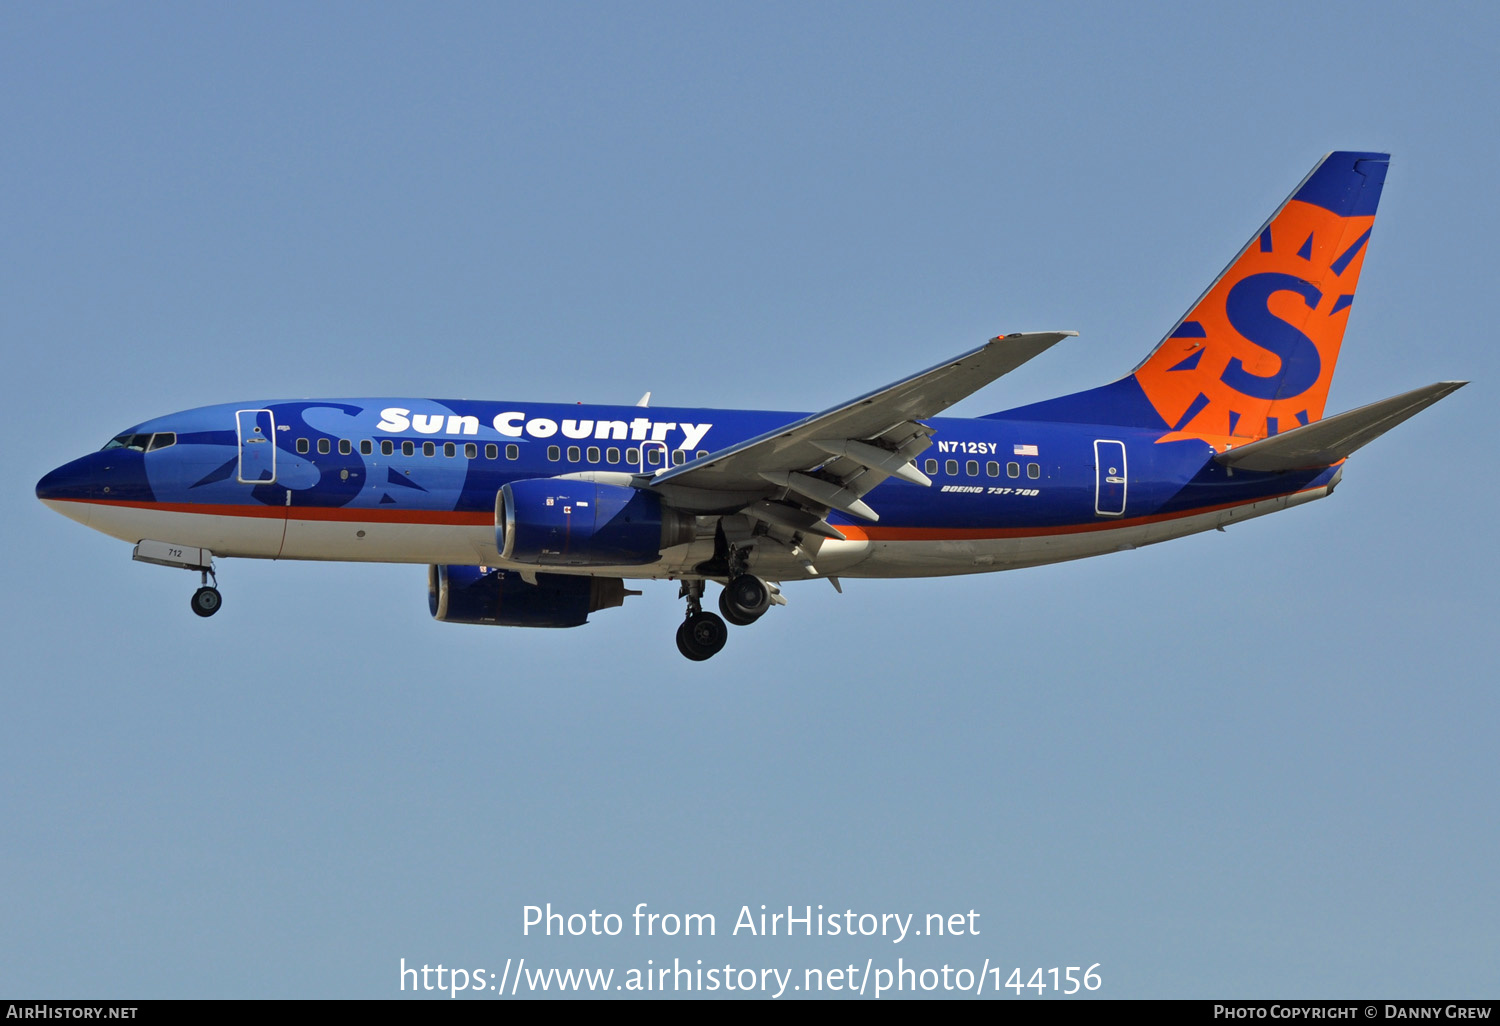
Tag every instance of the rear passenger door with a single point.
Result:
(1110, 479)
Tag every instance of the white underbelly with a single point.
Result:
(935, 558)
(382, 541)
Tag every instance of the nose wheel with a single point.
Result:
(207, 600)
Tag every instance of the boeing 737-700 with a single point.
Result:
(536, 515)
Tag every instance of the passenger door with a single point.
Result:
(257, 431)
(1109, 478)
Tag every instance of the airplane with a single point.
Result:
(536, 515)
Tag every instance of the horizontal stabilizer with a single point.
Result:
(1329, 440)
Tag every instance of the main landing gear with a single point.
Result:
(702, 635)
(744, 600)
(207, 600)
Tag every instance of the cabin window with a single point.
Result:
(162, 440)
(593, 454)
(633, 457)
(1033, 470)
(387, 447)
(972, 468)
(653, 456)
(992, 468)
(366, 447)
(950, 467)
(408, 448)
(512, 452)
(1012, 470)
(700, 454)
(302, 445)
(491, 451)
(325, 446)
(930, 466)
(679, 456)
(471, 450)
(612, 455)
(345, 447)
(554, 453)
(429, 448)
(450, 450)
(575, 454)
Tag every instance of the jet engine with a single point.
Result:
(478, 594)
(554, 521)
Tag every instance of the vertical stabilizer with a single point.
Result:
(1255, 354)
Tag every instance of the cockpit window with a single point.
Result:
(137, 442)
(142, 443)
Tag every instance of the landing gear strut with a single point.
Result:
(701, 635)
(207, 600)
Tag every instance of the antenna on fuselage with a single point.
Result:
(645, 400)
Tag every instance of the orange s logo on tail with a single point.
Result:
(1256, 354)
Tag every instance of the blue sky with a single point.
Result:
(1256, 763)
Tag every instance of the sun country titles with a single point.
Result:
(516, 424)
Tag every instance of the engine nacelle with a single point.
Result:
(478, 594)
(551, 521)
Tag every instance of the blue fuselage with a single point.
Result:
(406, 480)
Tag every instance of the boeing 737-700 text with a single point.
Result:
(535, 515)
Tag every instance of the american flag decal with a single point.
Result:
(1025, 450)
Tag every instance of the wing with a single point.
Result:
(792, 476)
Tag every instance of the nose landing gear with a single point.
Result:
(206, 600)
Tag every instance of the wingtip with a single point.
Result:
(1019, 334)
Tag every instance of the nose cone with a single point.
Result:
(113, 475)
(61, 484)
